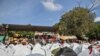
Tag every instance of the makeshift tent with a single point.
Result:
(68, 37)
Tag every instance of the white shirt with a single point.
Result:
(75, 45)
(55, 46)
(22, 50)
(66, 45)
(86, 53)
(38, 49)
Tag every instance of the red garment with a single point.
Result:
(98, 46)
(90, 49)
(62, 42)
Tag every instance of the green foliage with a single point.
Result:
(10, 33)
(22, 33)
(78, 21)
(26, 33)
(95, 33)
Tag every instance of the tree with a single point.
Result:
(21, 33)
(77, 21)
(95, 33)
(94, 4)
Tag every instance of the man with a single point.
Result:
(3, 50)
(88, 52)
(26, 49)
(66, 44)
(22, 49)
(38, 50)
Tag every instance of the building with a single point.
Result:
(36, 29)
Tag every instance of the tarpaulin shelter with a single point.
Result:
(68, 37)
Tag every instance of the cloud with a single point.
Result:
(51, 5)
(97, 19)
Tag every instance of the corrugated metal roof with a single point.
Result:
(28, 27)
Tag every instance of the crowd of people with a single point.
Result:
(23, 46)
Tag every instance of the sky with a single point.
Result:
(39, 12)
